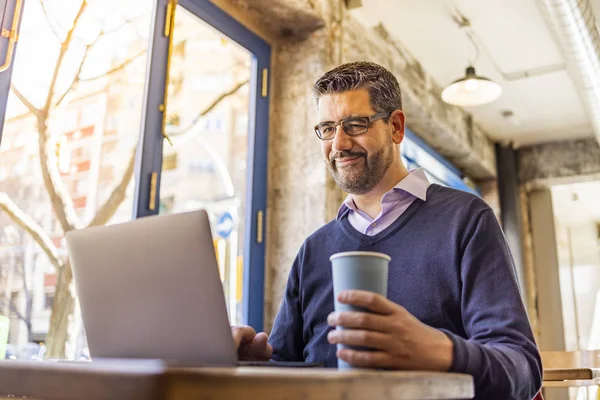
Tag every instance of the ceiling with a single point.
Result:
(512, 37)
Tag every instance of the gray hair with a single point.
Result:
(383, 87)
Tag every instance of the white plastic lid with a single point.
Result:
(360, 253)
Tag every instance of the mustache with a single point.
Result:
(346, 154)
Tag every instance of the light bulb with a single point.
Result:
(471, 85)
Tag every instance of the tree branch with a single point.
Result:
(24, 278)
(117, 68)
(42, 3)
(61, 201)
(77, 76)
(128, 21)
(28, 295)
(34, 110)
(13, 308)
(108, 209)
(19, 217)
(62, 204)
(210, 107)
(64, 47)
(222, 97)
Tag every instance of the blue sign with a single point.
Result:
(225, 225)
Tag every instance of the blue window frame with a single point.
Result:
(150, 151)
(417, 154)
(11, 17)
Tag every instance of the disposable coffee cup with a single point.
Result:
(358, 270)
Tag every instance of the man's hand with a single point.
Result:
(251, 346)
(398, 339)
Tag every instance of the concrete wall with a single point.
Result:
(489, 193)
(309, 37)
(297, 174)
(560, 162)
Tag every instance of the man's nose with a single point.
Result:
(341, 141)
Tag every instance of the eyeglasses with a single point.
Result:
(353, 126)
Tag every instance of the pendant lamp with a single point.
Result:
(471, 90)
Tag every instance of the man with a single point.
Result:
(453, 301)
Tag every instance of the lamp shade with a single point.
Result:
(472, 90)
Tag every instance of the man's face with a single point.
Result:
(356, 163)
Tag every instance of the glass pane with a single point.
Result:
(207, 121)
(85, 133)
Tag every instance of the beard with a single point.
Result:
(362, 176)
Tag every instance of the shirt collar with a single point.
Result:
(415, 183)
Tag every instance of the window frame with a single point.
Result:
(6, 75)
(150, 148)
(421, 155)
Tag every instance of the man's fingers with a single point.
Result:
(260, 348)
(369, 300)
(242, 334)
(366, 359)
(360, 320)
(352, 337)
(260, 339)
(250, 345)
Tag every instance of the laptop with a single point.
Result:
(150, 289)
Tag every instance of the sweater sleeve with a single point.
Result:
(286, 335)
(500, 352)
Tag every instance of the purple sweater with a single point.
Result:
(451, 268)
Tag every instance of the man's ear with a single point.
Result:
(397, 120)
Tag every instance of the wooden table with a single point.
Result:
(153, 380)
(571, 377)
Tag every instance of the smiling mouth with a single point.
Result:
(342, 162)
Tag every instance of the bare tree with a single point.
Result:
(62, 204)
(26, 314)
(13, 268)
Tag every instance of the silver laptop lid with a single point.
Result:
(150, 288)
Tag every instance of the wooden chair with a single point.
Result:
(571, 359)
(571, 368)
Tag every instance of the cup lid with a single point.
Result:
(360, 253)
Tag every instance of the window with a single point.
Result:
(203, 153)
(48, 301)
(416, 153)
(111, 37)
(220, 154)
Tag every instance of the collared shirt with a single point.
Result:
(393, 204)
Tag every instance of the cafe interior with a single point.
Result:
(112, 111)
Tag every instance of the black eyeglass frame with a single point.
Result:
(368, 121)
